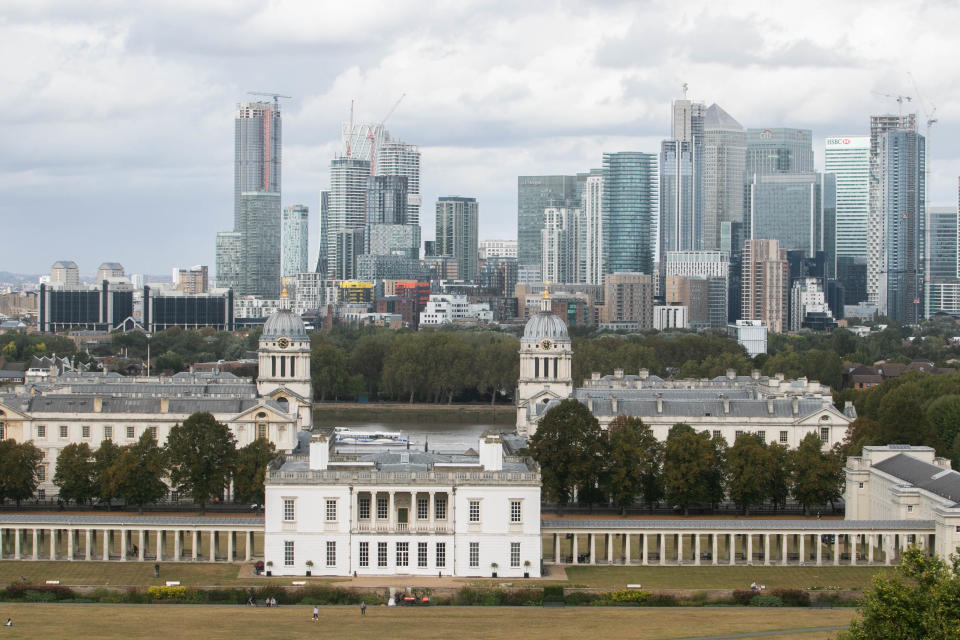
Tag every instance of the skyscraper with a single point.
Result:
(457, 220)
(765, 284)
(257, 151)
(771, 151)
(795, 208)
(559, 244)
(629, 211)
(228, 263)
(395, 158)
(848, 158)
(534, 195)
(324, 221)
(724, 163)
(295, 239)
(346, 211)
(681, 180)
(877, 214)
(590, 230)
(259, 227)
(901, 166)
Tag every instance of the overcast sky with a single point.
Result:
(118, 142)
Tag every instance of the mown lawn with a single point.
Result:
(530, 623)
(736, 577)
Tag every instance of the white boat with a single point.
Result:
(343, 435)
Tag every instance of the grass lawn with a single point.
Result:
(186, 621)
(736, 577)
(80, 572)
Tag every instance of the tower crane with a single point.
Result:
(375, 133)
(899, 98)
(270, 94)
(930, 115)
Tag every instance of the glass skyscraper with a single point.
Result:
(681, 180)
(457, 220)
(295, 239)
(848, 158)
(346, 211)
(630, 207)
(781, 150)
(724, 162)
(534, 195)
(259, 227)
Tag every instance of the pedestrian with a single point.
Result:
(316, 613)
(9, 622)
(363, 608)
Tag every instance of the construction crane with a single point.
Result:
(270, 94)
(930, 115)
(376, 132)
(900, 99)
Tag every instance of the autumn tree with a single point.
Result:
(201, 453)
(75, 475)
(251, 469)
(633, 461)
(567, 446)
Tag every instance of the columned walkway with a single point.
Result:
(733, 542)
(123, 537)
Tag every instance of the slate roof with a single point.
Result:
(76, 403)
(695, 403)
(826, 526)
(937, 480)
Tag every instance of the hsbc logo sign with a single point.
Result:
(838, 141)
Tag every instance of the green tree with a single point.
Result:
(778, 484)
(633, 456)
(169, 361)
(18, 470)
(943, 416)
(75, 473)
(920, 600)
(816, 475)
(860, 432)
(104, 459)
(328, 370)
(201, 453)
(750, 466)
(406, 370)
(567, 446)
(251, 470)
(689, 466)
(137, 474)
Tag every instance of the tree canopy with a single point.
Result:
(201, 453)
(75, 475)
(567, 446)
(250, 470)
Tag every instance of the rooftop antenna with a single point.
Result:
(683, 90)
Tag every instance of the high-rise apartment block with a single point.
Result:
(559, 244)
(258, 223)
(590, 268)
(65, 272)
(848, 158)
(295, 239)
(497, 249)
(629, 212)
(228, 263)
(724, 163)
(346, 211)
(765, 284)
(396, 158)
(628, 300)
(192, 280)
(534, 195)
(457, 222)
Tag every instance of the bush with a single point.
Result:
(553, 593)
(38, 592)
(792, 597)
(167, 593)
(662, 600)
(629, 595)
(766, 601)
(579, 598)
(743, 596)
(522, 598)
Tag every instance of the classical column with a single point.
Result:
(714, 550)
(836, 549)
(679, 548)
(576, 549)
(662, 548)
(592, 541)
(230, 546)
(106, 545)
(643, 550)
(749, 548)
(871, 539)
(696, 549)
(803, 556)
(16, 544)
(161, 542)
(391, 507)
(195, 546)
(819, 540)
(556, 548)
(853, 552)
(626, 548)
(766, 549)
(609, 548)
(177, 539)
(732, 548)
(34, 547)
(248, 547)
(70, 544)
(213, 546)
(123, 545)
(89, 555)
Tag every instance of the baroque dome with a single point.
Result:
(286, 324)
(545, 325)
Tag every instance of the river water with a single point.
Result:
(440, 437)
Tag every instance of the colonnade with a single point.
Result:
(595, 545)
(129, 542)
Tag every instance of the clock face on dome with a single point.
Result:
(545, 344)
(283, 343)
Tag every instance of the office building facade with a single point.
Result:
(534, 195)
(399, 159)
(456, 225)
(848, 159)
(724, 163)
(346, 211)
(629, 212)
(682, 180)
(765, 284)
(295, 234)
(258, 223)
(228, 263)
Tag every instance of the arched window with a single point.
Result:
(284, 404)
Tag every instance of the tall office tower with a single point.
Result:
(771, 151)
(346, 209)
(942, 258)
(628, 298)
(534, 195)
(876, 215)
(900, 272)
(387, 200)
(848, 158)
(324, 219)
(228, 263)
(457, 220)
(295, 239)
(259, 227)
(731, 242)
(629, 212)
(257, 151)
(589, 258)
(852, 274)
(765, 284)
(724, 162)
(65, 272)
(798, 209)
(395, 158)
(682, 180)
(559, 244)
(808, 305)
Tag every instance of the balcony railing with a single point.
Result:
(366, 526)
(448, 478)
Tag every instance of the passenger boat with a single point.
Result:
(343, 435)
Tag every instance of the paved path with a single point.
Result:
(760, 634)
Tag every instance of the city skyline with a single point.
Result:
(125, 120)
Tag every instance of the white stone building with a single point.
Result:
(446, 308)
(546, 367)
(403, 512)
(77, 407)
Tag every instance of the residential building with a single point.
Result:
(228, 263)
(295, 238)
(109, 271)
(704, 299)
(628, 298)
(353, 291)
(448, 308)
(349, 246)
(392, 240)
(808, 305)
(258, 222)
(670, 316)
(724, 163)
(848, 158)
(322, 264)
(497, 249)
(534, 194)
(942, 260)
(852, 274)
(399, 159)
(258, 146)
(629, 212)
(559, 239)
(65, 272)
(192, 280)
(590, 267)
(749, 334)
(346, 212)
(469, 515)
(457, 221)
(313, 292)
(389, 267)
(766, 282)
(498, 274)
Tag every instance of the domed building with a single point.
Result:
(546, 359)
(284, 364)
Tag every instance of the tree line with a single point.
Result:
(199, 460)
(626, 465)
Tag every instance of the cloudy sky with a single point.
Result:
(118, 143)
